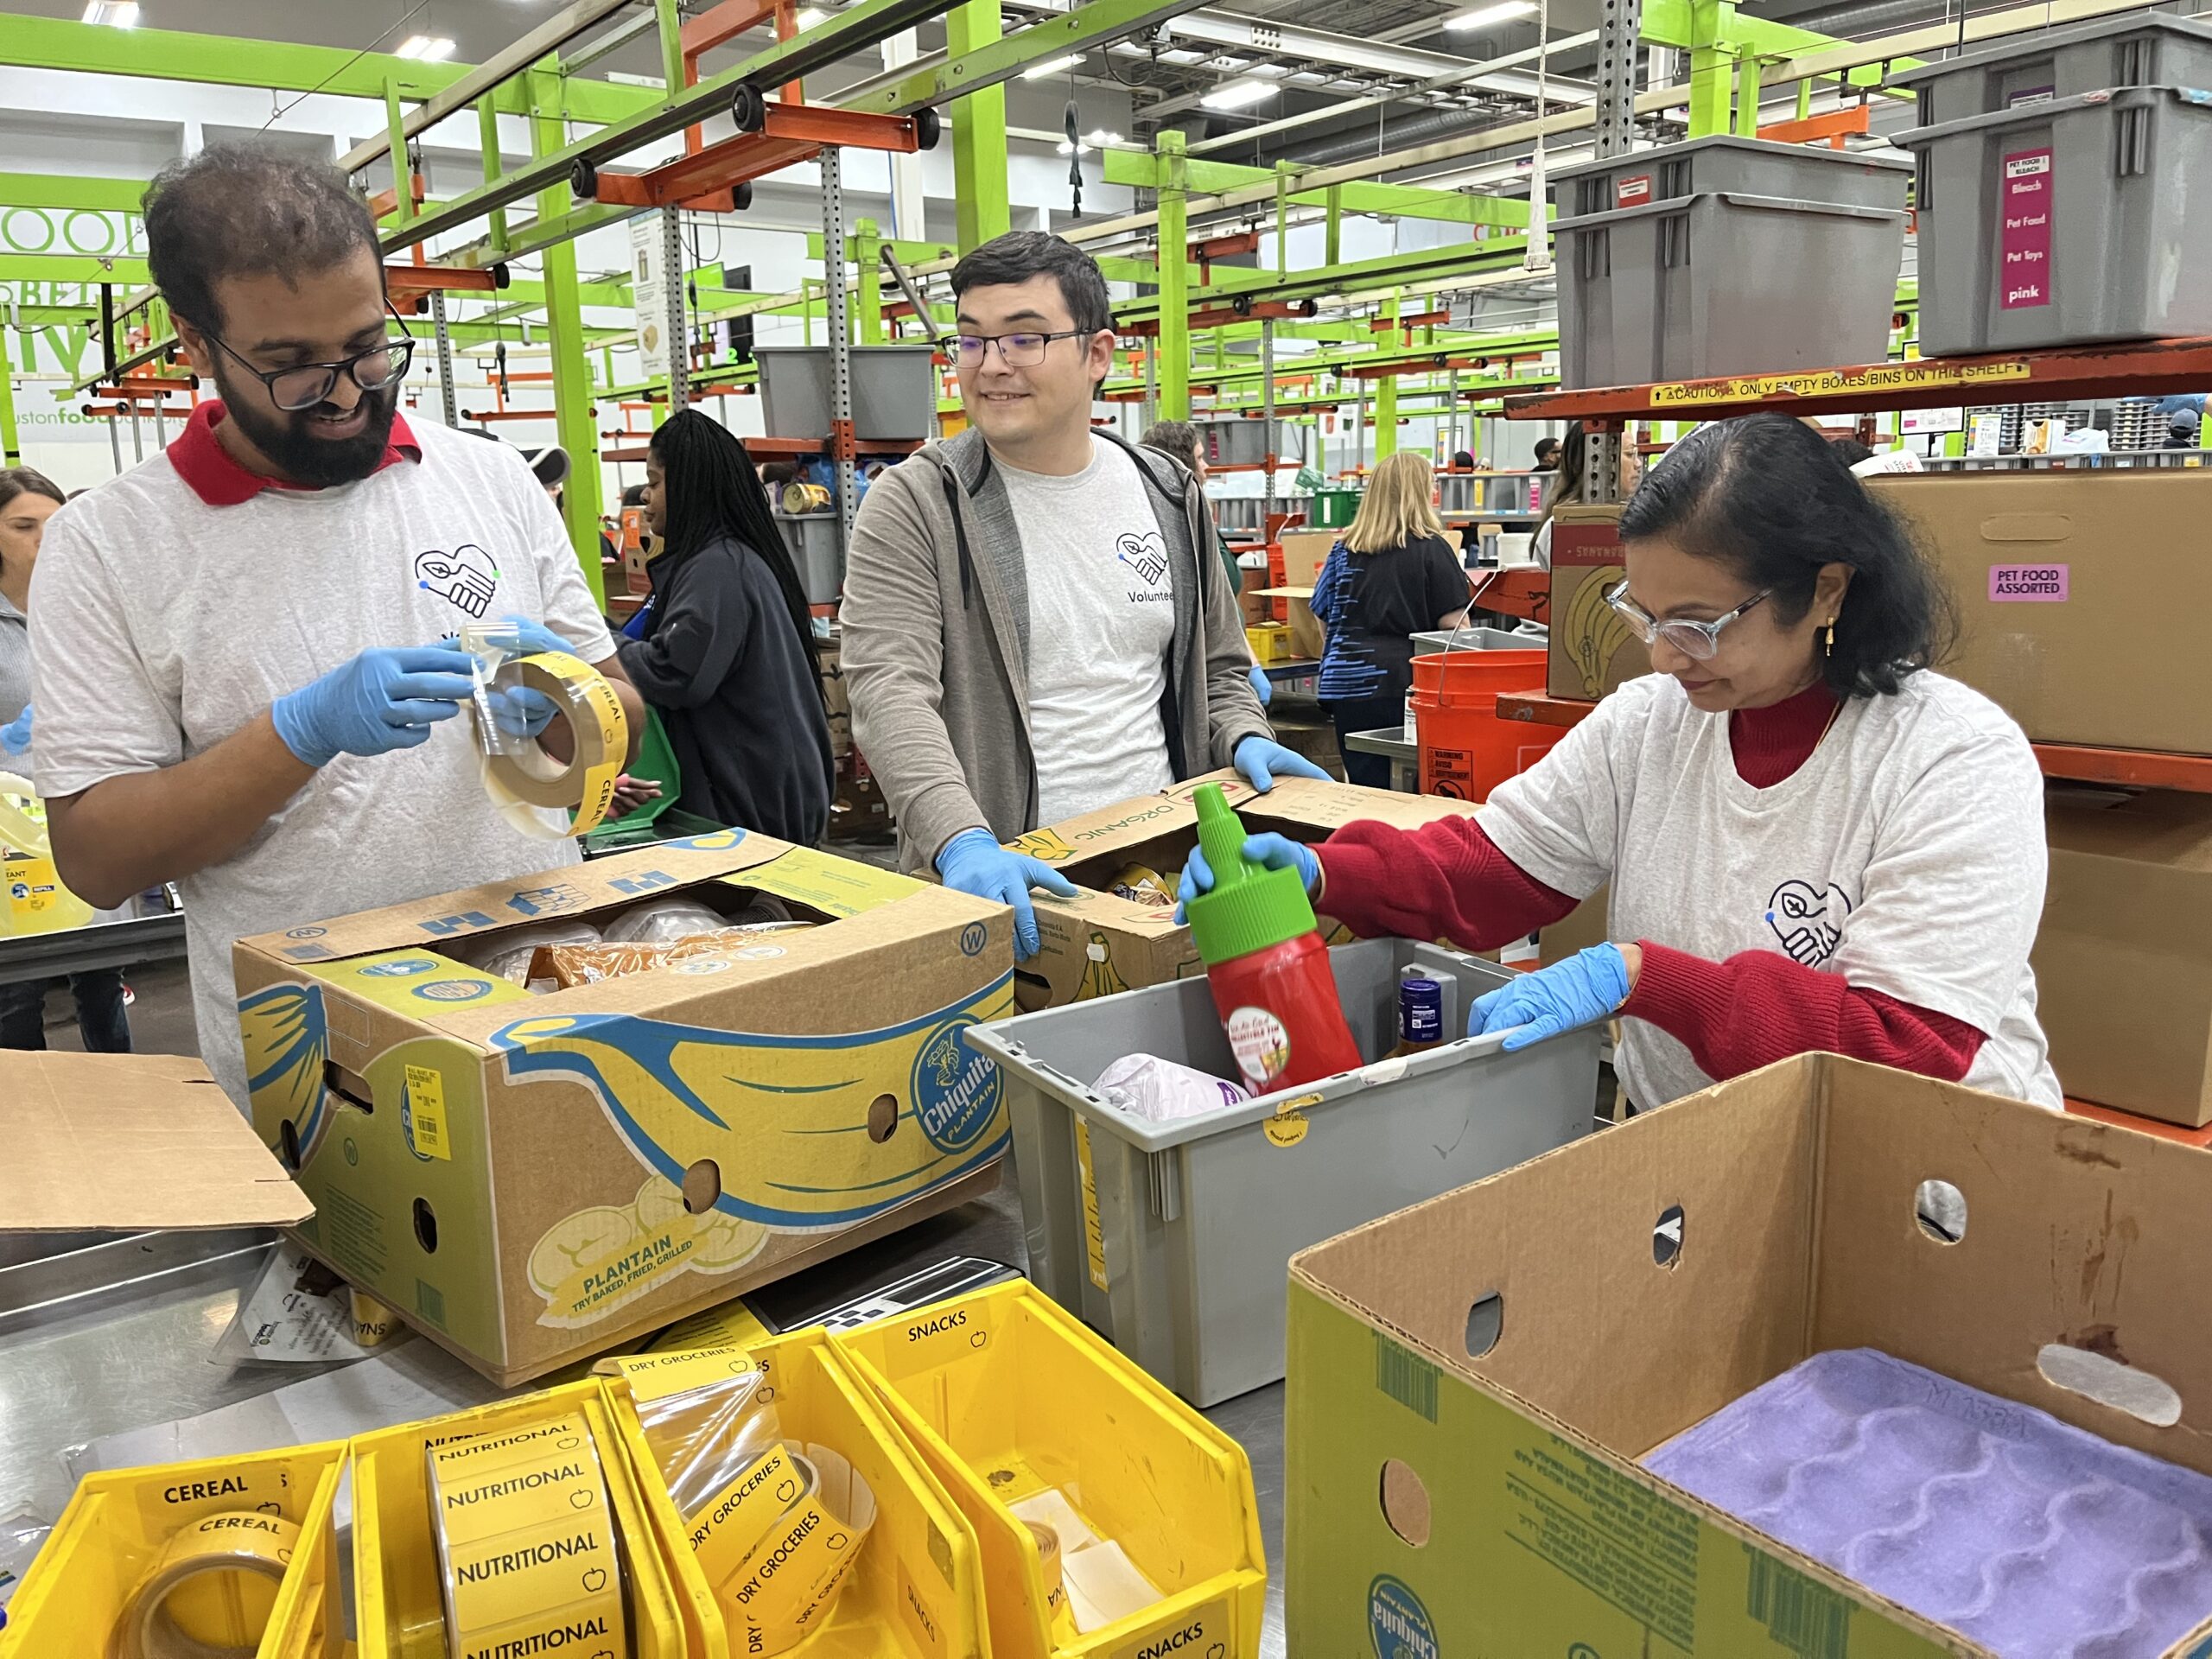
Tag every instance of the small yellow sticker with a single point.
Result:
(1285, 1129)
(426, 1102)
(1094, 1232)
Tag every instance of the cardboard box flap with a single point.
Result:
(126, 1142)
(2162, 827)
(574, 890)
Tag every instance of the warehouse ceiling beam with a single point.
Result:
(1399, 201)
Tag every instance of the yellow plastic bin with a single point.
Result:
(1006, 1397)
(915, 1591)
(113, 1535)
(397, 1610)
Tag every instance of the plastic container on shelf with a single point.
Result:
(914, 1592)
(1477, 638)
(1726, 256)
(1173, 1239)
(2060, 187)
(1007, 1398)
(1333, 509)
(812, 539)
(894, 391)
(1467, 750)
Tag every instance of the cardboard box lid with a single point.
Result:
(124, 1143)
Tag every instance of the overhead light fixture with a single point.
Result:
(1100, 138)
(1039, 71)
(808, 16)
(1237, 93)
(116, 14)
(1067, 149)
(425, 49)
(1484, 16)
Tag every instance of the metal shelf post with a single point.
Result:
(841, 357)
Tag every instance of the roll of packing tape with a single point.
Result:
(211, 1590)
(1048, 1561)
(23, 822)
(528, 779)
(801, 497)
(527, 1556)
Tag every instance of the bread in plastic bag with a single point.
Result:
(506, 954)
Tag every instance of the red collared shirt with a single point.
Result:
(217, 477)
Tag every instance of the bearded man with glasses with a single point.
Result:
(1035, 623)
(243, 648)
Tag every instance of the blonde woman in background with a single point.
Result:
(1392, 576)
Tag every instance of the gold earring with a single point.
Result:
(1831, 645)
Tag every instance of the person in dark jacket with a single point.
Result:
(727, 657)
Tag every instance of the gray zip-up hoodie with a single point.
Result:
(936, 644)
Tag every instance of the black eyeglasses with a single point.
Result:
(305, 385)
(1015, 350)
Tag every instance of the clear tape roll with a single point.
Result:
(229, 1543)
(523, 781)
(791, 1579)
(802, 496)
(528, 1560)
(23, 824)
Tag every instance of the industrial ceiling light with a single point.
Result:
(1052, 67)
(808, 16)
(425, 49)
(1484, 16)
(1237, 93)
(116, 14)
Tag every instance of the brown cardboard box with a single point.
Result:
(2076, 590)
(1304, 553)
(2124, 961)
(531, 1179)
(1308, 639)
(1581, 928)
(1591, 650)
(1096, 944)
(126, 1142)
(1472, 1484)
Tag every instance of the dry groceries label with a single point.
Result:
(1202, 1633)
(735, 1374)
(724, 1534)
(1823, 383)
(1094, 1230)
(1261, 1044)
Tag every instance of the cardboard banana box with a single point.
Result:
(530, 1179)
(1593, 651)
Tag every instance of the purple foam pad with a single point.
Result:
(2036, 1540)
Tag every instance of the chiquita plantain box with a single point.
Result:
(529, 1178)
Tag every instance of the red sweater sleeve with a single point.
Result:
(1444, 880)
(1758, 1007)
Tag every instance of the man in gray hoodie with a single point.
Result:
(1035, 625)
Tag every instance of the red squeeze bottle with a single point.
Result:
(1265, 961)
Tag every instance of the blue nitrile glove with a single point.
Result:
(1262, 759)
(1588, 987)
(520, 710)
(1277, 852)
(973, 862)
(1262, 687)
(15, 735)
(529, 637)
(386, 698)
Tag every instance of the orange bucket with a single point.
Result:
(1466, 751)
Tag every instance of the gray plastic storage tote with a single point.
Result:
(895, 391)
(1726, 256)
(2064, 187)
(1174, 1240)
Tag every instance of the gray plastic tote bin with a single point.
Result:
(895, 391)
(2062, 187)
(812, 539)
(1726, 256)
(1174, 1240)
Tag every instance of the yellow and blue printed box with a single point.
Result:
(530, 1179)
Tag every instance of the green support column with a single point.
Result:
(487, 144)
(1805, 98)
(672, 42)
(1283, 171)
(402, 183)
(979, 158)
(1332, 252)
(581, 500)
(1747, 97)
(11, 447)
(1711, 71)
(1386, 402)
(1174, 283)
(866, 239)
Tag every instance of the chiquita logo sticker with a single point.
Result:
(1396, 1622)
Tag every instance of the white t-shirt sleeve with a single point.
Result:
(100, 714)
(1559, 819)
(1953, 892)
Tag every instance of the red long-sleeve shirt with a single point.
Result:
(1449, 880)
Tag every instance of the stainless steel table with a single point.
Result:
(103, 1334)
(96, 945)
(1404, 757)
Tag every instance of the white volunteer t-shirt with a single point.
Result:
(162, 625)
(1907, 854)
(1102, 616)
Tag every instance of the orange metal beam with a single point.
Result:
(1833, 125)
(791, 134)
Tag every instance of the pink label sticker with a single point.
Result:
(1633, 190)
(2029, 584)
(2023, 243)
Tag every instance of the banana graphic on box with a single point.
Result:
(1100, 977)
(1592, 631)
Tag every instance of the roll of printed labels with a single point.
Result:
(522, 779)
(801, 497)
(527, 1561)
(212, 1589)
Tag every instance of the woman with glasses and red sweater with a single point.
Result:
(1813, 841)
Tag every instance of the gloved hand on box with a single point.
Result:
(973, 862)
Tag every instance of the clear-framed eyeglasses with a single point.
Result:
(1699, 641)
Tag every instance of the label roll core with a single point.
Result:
(211, 1589)
(523, 776)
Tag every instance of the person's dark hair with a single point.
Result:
(1547, 451)
(1018, 255)
(1464, 460)
(1850, 451)
(711, 489)
(777, 473)
(28, 481)
(1176, 438)
(1568, 464)
(231, 211)
(634, 496)
(1770, 498)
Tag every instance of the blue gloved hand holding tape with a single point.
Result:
(386, 698)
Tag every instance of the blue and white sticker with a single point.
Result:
(1396, 1622)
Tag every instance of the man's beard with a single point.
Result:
(304, 458)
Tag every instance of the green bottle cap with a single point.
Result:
(1249, 906)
